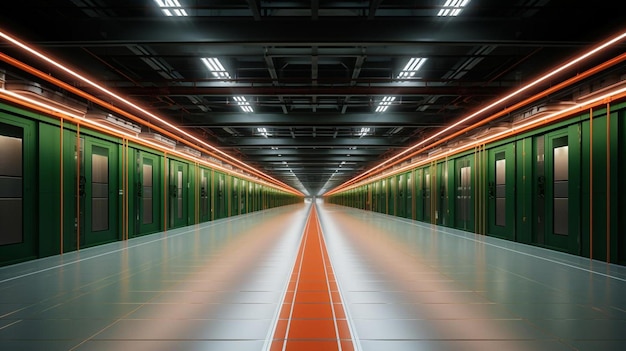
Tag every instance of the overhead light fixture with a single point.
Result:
(245, 105)
(413, 66)
(363, 132)
(171, 8)
(158, 138)
(384, 105)
(263, 132)
(114, 120)
(452, 8)
(215, 66)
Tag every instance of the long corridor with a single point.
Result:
(402, 285)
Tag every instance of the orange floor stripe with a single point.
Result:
(312, 315)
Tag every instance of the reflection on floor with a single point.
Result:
(405, 285)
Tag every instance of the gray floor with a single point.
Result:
(405, 286)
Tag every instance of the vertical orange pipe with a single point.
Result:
(591, 183)
(79, 155)
(608, 182)
(61, 182)
(165, 194)
(126, 190)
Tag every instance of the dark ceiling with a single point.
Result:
(314, 72)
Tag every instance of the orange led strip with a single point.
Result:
(402, 156)
(46, 76)
(398, 158)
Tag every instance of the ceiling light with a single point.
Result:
(413, 66)
(452, 8)
(171, 8)
(215, 66)
(263, 132)
(245, 105)
(384, 105)
(363, 132)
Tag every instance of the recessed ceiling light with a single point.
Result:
(171, 8)
(245, 105)
(215, 66)
(411, 67)
(452, 8)
(384, 104)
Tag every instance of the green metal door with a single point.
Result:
(392, 196)
(98, 192)
(148, 193)
(464, 197)
(501, 192)
(384, 196)
(220, 196)
(205, 195)
(401, 195)
(178, 194)
(234, 199)
(556, 186)
(426, 197)
(17, 190)
(243, 197)
(443, 212)
(410, 188)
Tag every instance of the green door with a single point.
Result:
(556, 184)
(464, 200)
(384, 196)
(205, 192)
(17, 190)
(220, 196)
(234, 199)
(501, 192)
(410, 206)
(97, 193)
(178, 194)
(148, 193)
(243, 197)
(401, 195)
(426, 195)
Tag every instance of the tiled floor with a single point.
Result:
(411, 286)
(405, 286)
(216, 286)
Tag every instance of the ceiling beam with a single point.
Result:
(319, 120)
(312, 152)
(374, 4)
(254, 8)
(322, 157)
(310, 142)
(371, 90)
(205, 31)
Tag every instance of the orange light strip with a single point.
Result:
(614, 95)
(79, 120)
(395, 159)
(224, 156)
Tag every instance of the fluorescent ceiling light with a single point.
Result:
(171, 8)
(452, 8)
(363, 132)
(215, 66)
(245, 105)
(384, 105)
(263, 132)
(413, 66)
